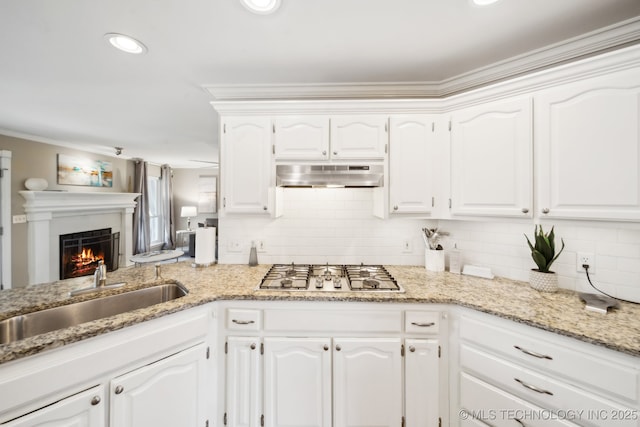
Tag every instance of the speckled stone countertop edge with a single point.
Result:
(544, 311)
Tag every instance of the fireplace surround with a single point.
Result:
(54, 213)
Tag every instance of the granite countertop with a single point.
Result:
(561, 312)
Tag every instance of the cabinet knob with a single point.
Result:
(253, 346)
(412, 349)
(338, 348)
(395, 207)
(545, 211)
(264, 208)
(326, 347)
(324, 153)
(119, 389)
(335, 153)
(525, 210)
(95, 400)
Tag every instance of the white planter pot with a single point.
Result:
(545, 282)
(434, 260)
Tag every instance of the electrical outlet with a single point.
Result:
(261, 246)
(407, 247)
(234, 246)
(586, 258)
(19, 219)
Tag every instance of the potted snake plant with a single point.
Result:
(543, 252)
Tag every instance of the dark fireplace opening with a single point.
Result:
(81, 252)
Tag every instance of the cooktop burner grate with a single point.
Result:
(327, 277)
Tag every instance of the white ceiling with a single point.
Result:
(61, 82)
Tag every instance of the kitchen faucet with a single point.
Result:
(100, 275)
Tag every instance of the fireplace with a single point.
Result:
(81, 252)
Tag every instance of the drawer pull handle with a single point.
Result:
(534, 354)
(423, 325)
(533, 388)
(243, 322)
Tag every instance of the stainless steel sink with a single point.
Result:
(39, 322)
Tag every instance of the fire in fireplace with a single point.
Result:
(81, 252)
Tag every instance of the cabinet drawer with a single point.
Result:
(328, 321)
(244, 320)
(498, 408)
(544, 391)
(552, 356)
(422, 322)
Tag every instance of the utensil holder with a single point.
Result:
(434, 260)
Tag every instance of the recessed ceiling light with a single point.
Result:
(261, 6)
(484, 2)
(126, 43)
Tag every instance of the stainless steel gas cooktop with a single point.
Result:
(332, 278)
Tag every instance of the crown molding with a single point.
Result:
(596, 42)
(619, 60)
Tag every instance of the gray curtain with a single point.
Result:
(141, 226)
(168, 223)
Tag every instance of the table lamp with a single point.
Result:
(188, 212)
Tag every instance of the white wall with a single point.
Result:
(503, 247)
(323, 225)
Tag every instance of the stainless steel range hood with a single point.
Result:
(329, 175)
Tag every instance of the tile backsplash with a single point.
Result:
(503, 247)
(319, 225)
(337, 226)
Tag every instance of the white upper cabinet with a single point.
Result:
(359, 137)
(491, 159)
(411, 159)
(588, 148)
(301, 137)
(246, 164)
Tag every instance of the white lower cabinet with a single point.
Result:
(422, 379)
(148, 375)
(169, 392)
(515, 375)
(297, 381)
(84, 409)
(367, 382)
(243, 382)
(305, 368)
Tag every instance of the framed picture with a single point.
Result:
(86, 172)
(207, 194)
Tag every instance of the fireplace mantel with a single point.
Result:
(51, 213)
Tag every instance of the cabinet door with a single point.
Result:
(491, 160)
(243, 382)
(411, 151)
(359, 137)
(85, 409)
(301, 137)
(297, 382)
(165, 393)
(422, 382)
(588, 149)
(367, 384)
(246, 164)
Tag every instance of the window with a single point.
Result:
(155, 211)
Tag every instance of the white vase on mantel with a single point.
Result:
(434, 260)
(36, 184)
(545, 282)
